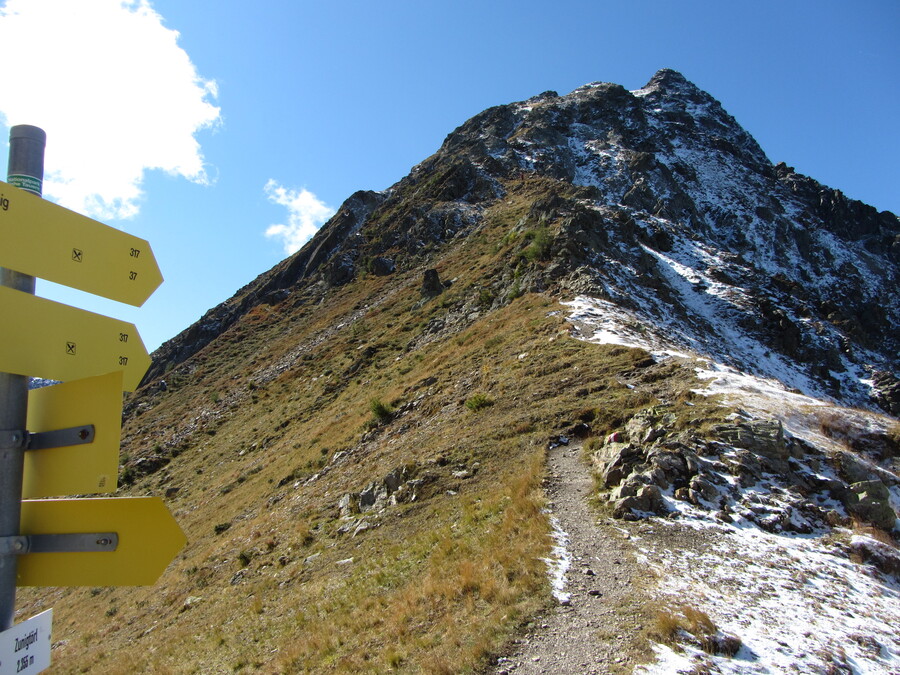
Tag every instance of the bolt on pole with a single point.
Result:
(26, 170)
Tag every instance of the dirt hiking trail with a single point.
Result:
(594, 627)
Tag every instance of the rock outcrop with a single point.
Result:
(748, 469)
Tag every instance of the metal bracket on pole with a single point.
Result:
(82, 542)
(60, 438)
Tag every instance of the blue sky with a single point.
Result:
(273, 113)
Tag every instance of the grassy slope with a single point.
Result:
(271, 424)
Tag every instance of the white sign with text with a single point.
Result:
(25, 648)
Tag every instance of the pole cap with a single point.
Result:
(27, 131)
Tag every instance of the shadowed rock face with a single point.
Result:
(655, 200)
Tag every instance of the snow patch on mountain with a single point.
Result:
(797, 602)
(794, 603)
(715, 339)
(602, 322)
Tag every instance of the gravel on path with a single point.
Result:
(597, 628)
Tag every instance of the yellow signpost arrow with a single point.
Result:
(75, 469)
(48, 241)
(64, 439)
(59, 342)
(149, 538)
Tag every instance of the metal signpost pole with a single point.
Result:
(25, 170)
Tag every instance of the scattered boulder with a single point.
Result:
(763, 437)
(746, 466)
(648, 499)
(374, 492)
(341, 270)
(702, 490)
(615, 461)
(431, 283)
(396, 487)
(870, 501)
(629, 488)
(144, 466)
(675, 465)
(395, 479)
(852, 468)
(648, 425)
(648, 463)
(349, 504)
(382, 267)
(638, 468)
(656, 476)
(883, 557)
(877, 444)
(886, 391)
(191, 602)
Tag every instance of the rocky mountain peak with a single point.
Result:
(389, 426)
(655, 200)
(667, 83)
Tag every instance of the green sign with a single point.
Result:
(29, 183)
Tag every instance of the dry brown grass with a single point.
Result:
(834, 425)
(876, 533)
(265, 430)
(683, 623)
(670, 621)
(474, 585)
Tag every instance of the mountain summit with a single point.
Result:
(569, 397)
(657, 202)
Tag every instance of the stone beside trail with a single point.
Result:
(596, 629)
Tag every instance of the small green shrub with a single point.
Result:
(128, 475)
(539, 248)
(478, 402)
(515, 292)
(383, 413)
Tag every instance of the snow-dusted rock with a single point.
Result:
(871, 501)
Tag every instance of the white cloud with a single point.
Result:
(306, 214)
(113, 90)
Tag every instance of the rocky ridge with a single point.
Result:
(655, 200)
